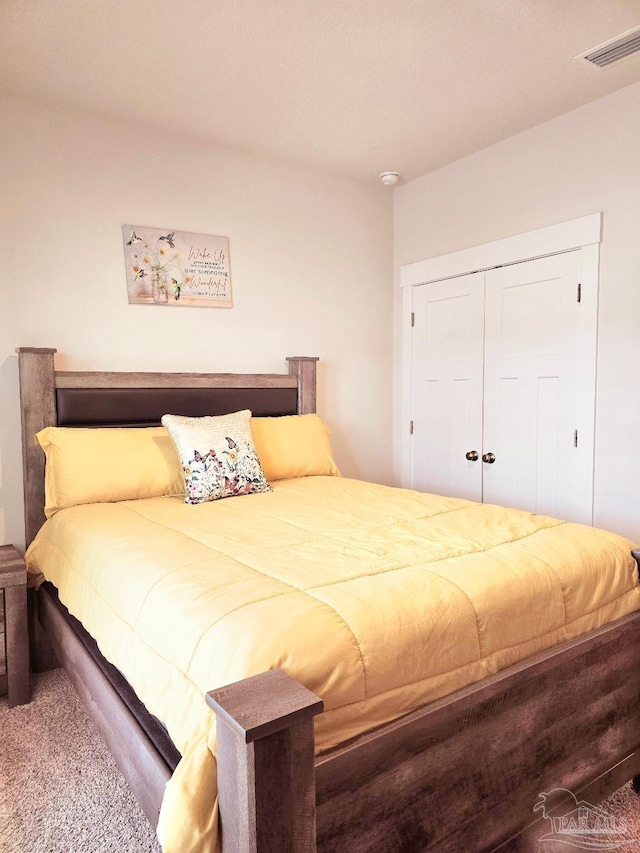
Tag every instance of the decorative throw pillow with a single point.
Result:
(218, 456)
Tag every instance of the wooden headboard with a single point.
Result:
(50, 397)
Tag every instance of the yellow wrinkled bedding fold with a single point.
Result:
(378, 599)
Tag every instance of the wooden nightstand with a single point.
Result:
(14, 635)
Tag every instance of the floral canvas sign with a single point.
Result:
(176, 268)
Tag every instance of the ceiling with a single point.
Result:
(353, 87)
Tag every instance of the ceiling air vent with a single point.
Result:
(615, 49)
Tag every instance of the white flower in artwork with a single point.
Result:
(157, 264)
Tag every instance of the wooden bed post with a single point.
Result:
(266, 776)
(38, 409)
(38, 406)
(304, 368)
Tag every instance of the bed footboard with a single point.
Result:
(466, 771)
(463, 773)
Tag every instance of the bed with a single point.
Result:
(462, 772)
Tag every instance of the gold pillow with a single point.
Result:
(293, 446)
(107, 464)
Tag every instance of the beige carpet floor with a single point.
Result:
(60, 791)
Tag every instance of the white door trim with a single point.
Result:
(562, 237)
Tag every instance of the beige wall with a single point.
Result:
(580, 163)
(311, 262)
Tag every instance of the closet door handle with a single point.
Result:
(472, 455)
(489, 458)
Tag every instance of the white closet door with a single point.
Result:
(447, 386)
(532, 389)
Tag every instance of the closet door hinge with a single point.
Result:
(410, 427)
(413, 319)
(575, 438)
(579, 299)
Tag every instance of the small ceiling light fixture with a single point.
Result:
(389, 179)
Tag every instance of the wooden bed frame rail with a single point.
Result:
(134, 753)
(463, 773)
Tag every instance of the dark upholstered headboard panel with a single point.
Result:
(145, 406)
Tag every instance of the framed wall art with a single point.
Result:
(176, 268)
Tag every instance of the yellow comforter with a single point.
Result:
(377, 599)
